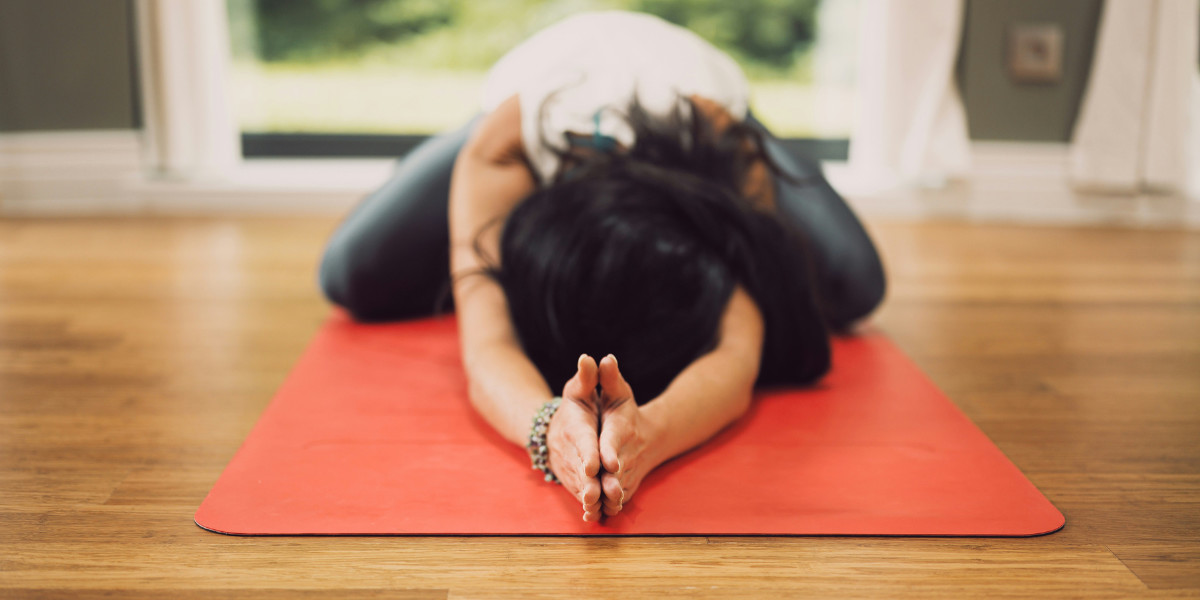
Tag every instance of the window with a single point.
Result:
(374, 77)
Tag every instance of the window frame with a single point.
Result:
(344, 145)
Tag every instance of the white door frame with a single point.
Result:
(184, 60)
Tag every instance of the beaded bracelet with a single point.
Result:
(539, 453)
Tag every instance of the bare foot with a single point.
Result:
(625, 448)
(573, 438)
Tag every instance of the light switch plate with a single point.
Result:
(1035, 52)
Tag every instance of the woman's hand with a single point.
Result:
(573, 438)
(627, 449)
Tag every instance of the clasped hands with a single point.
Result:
(601, 446)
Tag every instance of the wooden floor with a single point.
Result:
(135, 355)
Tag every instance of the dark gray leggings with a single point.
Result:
(389, 259)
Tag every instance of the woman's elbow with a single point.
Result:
(742, 403)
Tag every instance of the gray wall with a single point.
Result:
(67, 64)
(998, 108)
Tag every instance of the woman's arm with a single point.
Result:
(490, 177)
(488, 180)
(715, 390)
(712, 392)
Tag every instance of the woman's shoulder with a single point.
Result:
(758, 185)
(498, 137)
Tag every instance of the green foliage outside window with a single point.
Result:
(317, 29)
(765, 35)
(771, 32)
(417, 66)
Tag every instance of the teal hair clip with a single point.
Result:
(600, 141)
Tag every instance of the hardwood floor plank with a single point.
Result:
(1163, 566)
(228, 594)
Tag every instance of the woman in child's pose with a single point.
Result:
(614, 199)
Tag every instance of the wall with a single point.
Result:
(997, 107)
(67, 64)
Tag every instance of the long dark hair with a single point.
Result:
(637, 253)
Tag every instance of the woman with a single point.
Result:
(614, 198)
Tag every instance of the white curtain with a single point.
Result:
(1138, 127)
(184, 53)
(910, 126)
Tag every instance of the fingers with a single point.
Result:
(582, 482)
(610, 447)
(619, 479)
(587, 450)
(590, 497)
(589, 457)
(617, 433)
(618, 490)
(581, 485)
(589, 482)
(614, 497)
(587, 491)
(609, 509)
(615, 390)
(575, 456)
(587, 371)
(582, 386)
(621, 445)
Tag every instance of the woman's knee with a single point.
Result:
(333, 275)
(859, 289)
(386, 258)
(373, 293)
(347, 283)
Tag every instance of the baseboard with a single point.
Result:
(70, 173)
(100, 173)
(1020, 182)
(271, 187)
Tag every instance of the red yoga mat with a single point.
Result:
(372, 433)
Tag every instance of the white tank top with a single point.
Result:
(599, 60)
